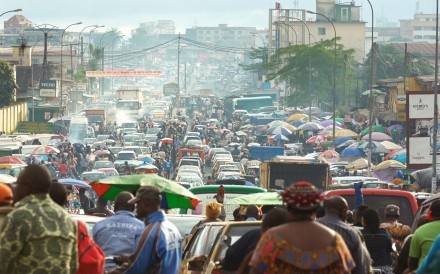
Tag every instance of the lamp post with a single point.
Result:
(90, 34)
(80, 40)
(334, 78)
(32, 79)
(117, 37)
(101, 87)
(46, 32)
(371, 101)
(265, 51)
(16, 10)
(61, 69)
(282, 24)
(435, 127)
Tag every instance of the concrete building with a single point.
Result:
(159, 27)
(16, 24)
(223, 35)
(286, 27)
(419, 29)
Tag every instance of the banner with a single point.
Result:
(123, 73)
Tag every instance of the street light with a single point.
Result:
(16, 10)
(435, 127)
(102, 60)
(282, 24)
(45, 33)
(370, 114)
(334, 78)
(32, 79)
(61, 68)
(81, 42)
(117, 37)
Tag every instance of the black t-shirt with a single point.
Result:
(379, 245)
(236, 252)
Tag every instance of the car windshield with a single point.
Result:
(93, 177)
(97, 165)
(125, 156)
(203, 241)
(235, 232)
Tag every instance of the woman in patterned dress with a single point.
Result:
(302, 246)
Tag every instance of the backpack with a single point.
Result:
(91, 258)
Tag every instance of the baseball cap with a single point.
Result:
(392, 210)
(145, 193)
(6, 196)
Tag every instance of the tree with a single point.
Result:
(7, 84)
(257, 67)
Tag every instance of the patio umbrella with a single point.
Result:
(173, 194)
(279, 130)
(358, 164)
(326, 123)
(389, 164)
(241, 133)
(394, 127)
(310, 126)
(352, 152)
(263, 198)
(74, 182)
(11, 160)
(296, 123)
(279, 137)
(297, 117)
(400, 158)
(395, 152)
(316, 140)
(375, 146)
(7, 179)
(343, 133)
(340, 140)
(44, 150)
(378, 136)
(390, 145)
(328, 154)
(374, 128)
(166, 140)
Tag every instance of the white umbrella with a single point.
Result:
(391, 146)
(310, 126)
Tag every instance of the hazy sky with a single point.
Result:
(127, 14)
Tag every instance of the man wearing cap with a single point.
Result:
(6, 199)
(160, 247)
(38, 236)
(392, 214)
(391, 224)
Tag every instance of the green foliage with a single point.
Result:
(139, 38)
(7, 84)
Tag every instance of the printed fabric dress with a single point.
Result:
(273, 254)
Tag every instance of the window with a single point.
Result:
(418, 36)
(321, 31)
(417, 28)
(21, 51)
(344, 14)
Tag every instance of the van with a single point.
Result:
(347, 180)
(206, 194)
(380, 198)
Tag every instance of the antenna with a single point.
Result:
(295, 4)
(417, 7)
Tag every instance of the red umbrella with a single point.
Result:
(316, 140)
(394, 153)
(11, 160)
(328, 154)
(45, 150)
(166, 141)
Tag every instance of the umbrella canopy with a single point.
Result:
(346, 143)
(279, 137)
(343, 133)
(296, 123)
(263, 198)
(374, 128)
(11, 160)
(389, 164)
(276, 123)
(279, 130)
(327, 123)
(310, 126)
(340, 140)
(340, 120)
(147, 160)
(424, 177)
(166, 140)
(316, 140)
(352, 152)
(297, 117)
(390, 145)
(328, 154)
(378, 136)
(400, 158)
(358, 164)
(395, 152)
(375, 92)
(173, 194)
(44, 150)
(74, 182)
(394, 127)
(253, 163)
(376, 147)
(241, 133)
(7, 179)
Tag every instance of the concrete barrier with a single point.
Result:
(12, 115)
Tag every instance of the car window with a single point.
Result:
(125, 156)
(203, 241)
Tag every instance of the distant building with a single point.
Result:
(159, 27)
(16, 24)
(420, 29)
(223, 35)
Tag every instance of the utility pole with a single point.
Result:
(178, 64)
(184, 80)
(82, 51)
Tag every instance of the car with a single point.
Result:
(92, 176)
(190, 162)
(114, 150)
(109, 172)
(129, 139)
(89, 220)
(126, 156)
(103, 164)
(207, 247)
(102, 137)
(191, 180)
(190, 169)
(89, 141)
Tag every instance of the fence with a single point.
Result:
(12, 115)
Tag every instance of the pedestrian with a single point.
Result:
(101, 209)
(251, 213)
(159, 249)
(336, 209)
(423, 237)
(397, 231)
(212, 213)
(167, 167)
(378, 241)
(38, 236)
(281, 249)
(117, 235)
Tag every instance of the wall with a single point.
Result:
(11, 116)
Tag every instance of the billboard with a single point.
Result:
(48, 88)
(123, 73)
(419, 132)
(170, 89)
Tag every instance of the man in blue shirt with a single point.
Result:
(119, 234)
(160, 246)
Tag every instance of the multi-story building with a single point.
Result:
(240, 37)
(16, 24)
(291, 26)
(419, 29)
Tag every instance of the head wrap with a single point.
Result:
(302, 196)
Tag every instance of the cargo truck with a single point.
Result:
(129, 103)
(97, 116)
(263, 153)
(277, 175)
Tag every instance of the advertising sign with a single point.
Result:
(170, 89)
(48, 88)
(123, 73)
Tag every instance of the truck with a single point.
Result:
(97, 116)
(277, 175)
(129, 103)
(205, 92)
(263, 153)
(250, 103)
(78, 129)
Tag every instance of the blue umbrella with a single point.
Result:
(296, 123)
(400, 157)
(279, 137)
(352, 152)
(279, 130)
(74, 182)
(359, 198)
(340, 140)
(147, 160)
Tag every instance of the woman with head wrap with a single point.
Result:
(301, 245)
(212, 213)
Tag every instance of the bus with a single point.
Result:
(78, 129)
(128, 109)
(250, 103)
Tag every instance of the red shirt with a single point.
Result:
(63, 168)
